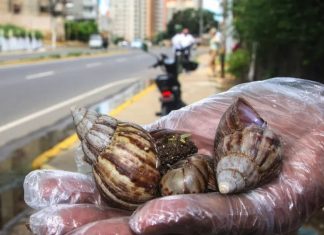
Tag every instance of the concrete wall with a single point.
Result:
(39, 22)
(42, 23)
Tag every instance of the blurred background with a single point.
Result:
(58, 53)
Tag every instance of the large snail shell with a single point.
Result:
(123, 157)
(192, 175)
(248, 153)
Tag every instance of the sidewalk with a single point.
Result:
(142, 107)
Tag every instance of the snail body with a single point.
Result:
(247, 152)
(123, 158)
(172, 146)
(192, 175)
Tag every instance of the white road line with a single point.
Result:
(63, 104)
(39, 75)
(120, 60)
(92, 65)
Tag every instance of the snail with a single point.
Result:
(172, 146)
(123, 158)
(192, 175)
(247, 152)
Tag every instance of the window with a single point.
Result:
(16, 8)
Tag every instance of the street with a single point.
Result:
(36, 95)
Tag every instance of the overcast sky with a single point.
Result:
(212, 5)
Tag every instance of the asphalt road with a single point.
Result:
(46, 52)
(33, 96)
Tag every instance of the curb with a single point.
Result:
(67, 143)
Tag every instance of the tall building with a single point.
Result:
(140, 19)
(129, 18)
(137, 19)
(121, 14)
(81, 9)
(159, 17)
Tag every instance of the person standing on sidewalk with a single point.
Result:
(214, 45)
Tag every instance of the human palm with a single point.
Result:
(293, 109)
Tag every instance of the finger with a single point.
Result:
(284, 103)
(49, 187)
(60, 219)
(105, 227)
(276, 208)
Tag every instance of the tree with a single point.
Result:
(289, 35)
(189, 18)
(80, 30)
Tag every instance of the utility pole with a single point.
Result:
(53, 12)
(201, 18)
(224, 38)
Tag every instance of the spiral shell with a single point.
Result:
(192, 175)
(123, 157)
(248, 153)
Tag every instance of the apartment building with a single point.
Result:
(137, 19)
(140, 19)
(81, 9)
(122, 18)
(30, 14)
(159, 17)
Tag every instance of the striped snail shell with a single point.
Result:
(123, 158)
(248, 153)
(192, 175)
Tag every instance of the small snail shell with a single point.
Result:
(192, 175)
(123, 158)
(248, 153)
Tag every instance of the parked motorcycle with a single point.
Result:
(168, 83)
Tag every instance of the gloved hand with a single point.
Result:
(293, 109)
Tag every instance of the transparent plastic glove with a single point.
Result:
(67, 200)
(44, 188)
(294, 109)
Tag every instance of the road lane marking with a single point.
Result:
(92, 65)
(39, 75)
(63, 104)
(42, 160)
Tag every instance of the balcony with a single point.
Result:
(89, 15)
(89, 3)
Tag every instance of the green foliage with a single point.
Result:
(189, 18)
(10, 30)
(38, 34)
(160, 36)
(74, 54)
(116, 40)
(54, 56)
(288, 33)
(80, 30)
(238, 63)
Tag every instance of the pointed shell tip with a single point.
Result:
(224, 188)
(77, 114)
